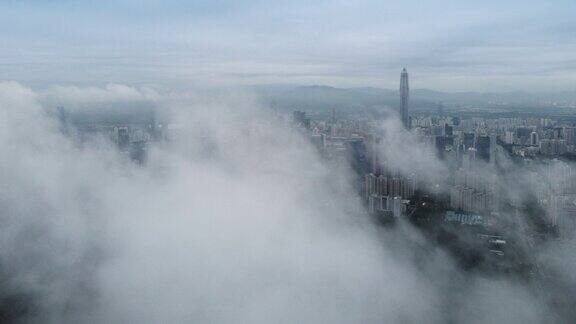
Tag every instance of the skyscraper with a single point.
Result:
(534, 139)
(482, 146)
(404, 90)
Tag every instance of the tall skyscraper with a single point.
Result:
(534, 139)
(404, 91)
(482, 146)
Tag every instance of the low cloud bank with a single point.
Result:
(235, 220)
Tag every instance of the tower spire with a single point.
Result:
(404, 94)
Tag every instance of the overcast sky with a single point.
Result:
(446, 45)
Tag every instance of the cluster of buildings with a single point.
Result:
(131, 139)
(474, 191)
(546, 142)
(385, 185)
(455, 143)
(388, 194)
(470, 147)
(521, 136)
(557, 195)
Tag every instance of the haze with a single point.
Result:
(246, 162)
(453, 45)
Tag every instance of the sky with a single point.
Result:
(446, 45)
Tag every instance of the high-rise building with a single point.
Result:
(122, 136)
(404, 92)
(569, 135)
(299, 119)
(483, 147)
(509, 137)
(562, 213)
(534, 139)
(448, 130)
(469, 139)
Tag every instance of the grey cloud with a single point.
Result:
(255, 229)
(360, 44)
(240, 235)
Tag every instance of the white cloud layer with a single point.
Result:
(237, 221)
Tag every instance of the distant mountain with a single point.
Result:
(318, 97)
(321, 98)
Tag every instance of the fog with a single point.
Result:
(235, 219)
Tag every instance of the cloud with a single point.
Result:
(237, 219)
(81, 97)
(245, 42)
(404, 152)
(253, 233)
